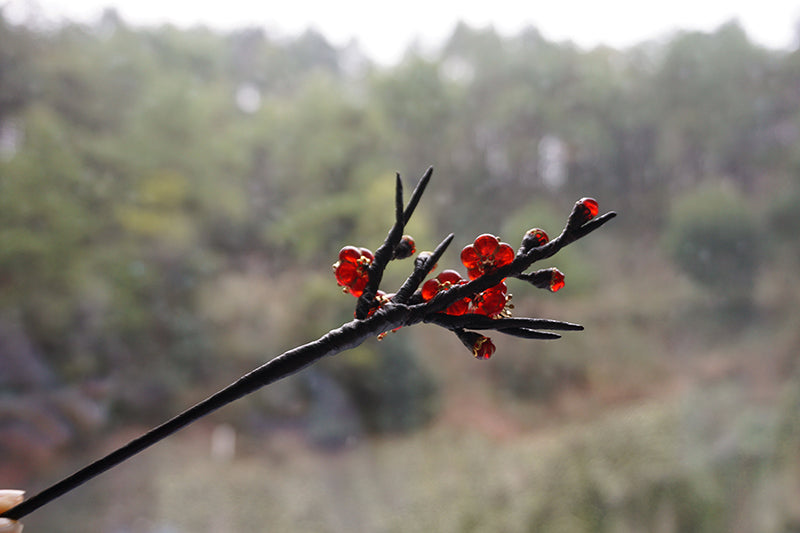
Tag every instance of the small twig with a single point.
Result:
(475, 321)
(525, 333)
(422, 267)
(383, 254)
(417, 194)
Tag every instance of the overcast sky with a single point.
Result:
(384, 30)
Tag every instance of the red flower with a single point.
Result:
(352, 269)
(491, 302)
(556, 280)
(483, 348)
(443, 282)
(486, 254)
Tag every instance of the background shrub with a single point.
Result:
(712, 235)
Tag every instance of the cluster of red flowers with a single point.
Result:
(352, 269)
(485, 255)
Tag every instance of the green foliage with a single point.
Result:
(149, 222)
(712, 234)
(539, 374)
(46, 219)
(157, 234)
(413, 99)
(389, 385)
(783, 217)
(636, 469)
(18, 53)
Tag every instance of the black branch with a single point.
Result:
(374, 317)
(476, 321)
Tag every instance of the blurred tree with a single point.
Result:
(414, 101)
(158, 172)
(713, 236)
(18, 54)
(710, 91)
(783, 217)
(393, 391)
(321, 154)
(46, 225)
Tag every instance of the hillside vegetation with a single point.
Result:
(171, 202)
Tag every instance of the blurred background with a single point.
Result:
(172, 197)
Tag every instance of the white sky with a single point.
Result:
(384, 30)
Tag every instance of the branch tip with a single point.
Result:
(398, 201)
(417, 194)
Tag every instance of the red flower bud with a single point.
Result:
(588, 209)
(446, 280)
(556, 280)
(491, 302)
(483, 348)
(533, 239)
(405, 248)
